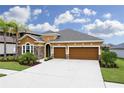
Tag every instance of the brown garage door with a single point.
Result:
(90, 53)
(59, 52)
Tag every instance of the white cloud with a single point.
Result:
(64, 18)
(107, 28)
(37, 11)
(76, 11)
(89, 12)
(81, 20)
(69, 17)
(43, 27)
(20, 14)
(107, 16)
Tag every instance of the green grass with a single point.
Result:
(114, 74)
(1, 75)
(12, 66)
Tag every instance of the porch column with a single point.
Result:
(99, 52)
(67, 52)
(52, 51)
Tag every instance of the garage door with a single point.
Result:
(83, 53)
(59, 52)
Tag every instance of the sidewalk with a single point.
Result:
(5, 71)
(113, 85)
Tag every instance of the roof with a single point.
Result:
(66, 35)
(50, 33)
(27, 31)
(119, 46)
(37, 38)
(72, 35)
(8, 39)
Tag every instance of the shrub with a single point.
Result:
(1, 58)
(108, 59)
(11, 58)
(105, 49)
(113, 57)
(27, 59)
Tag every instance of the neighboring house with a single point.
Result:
(119, 49)
(11, 41)
(68, 44)
(10, 45)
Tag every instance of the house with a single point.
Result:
(118, 49)
(10, 44)
(67, 44)
(11, 41)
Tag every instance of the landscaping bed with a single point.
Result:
(19, 63)
(114, 74)
(12, 66)
(1, 75)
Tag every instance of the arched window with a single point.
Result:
(28, 48)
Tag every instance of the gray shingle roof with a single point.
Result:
(119, 46)
(67, 35)
(47, 32)
(38, 38)
(71, 35)
(8, 39)
(50, 33)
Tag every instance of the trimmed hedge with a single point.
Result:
(9, 58)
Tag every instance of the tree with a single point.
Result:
(4, 27)
(15, 29)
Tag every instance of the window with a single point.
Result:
(27, 48)
(23, 49)
(32, 49)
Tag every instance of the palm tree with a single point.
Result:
(4, 27)
(15, 29)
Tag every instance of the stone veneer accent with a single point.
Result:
(39, 51)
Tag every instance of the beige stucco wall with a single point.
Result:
(77, 44)
(47, 38)
(64, 44)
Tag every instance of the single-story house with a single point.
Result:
(67, 44)
(118, 49)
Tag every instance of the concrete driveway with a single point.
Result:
(57, 73)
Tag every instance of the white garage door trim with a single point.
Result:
(67, 49)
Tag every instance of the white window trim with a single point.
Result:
(29, 47)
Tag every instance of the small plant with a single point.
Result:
(27, 59)
(47, 58)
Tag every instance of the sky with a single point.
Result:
(105, 22)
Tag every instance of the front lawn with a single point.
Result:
(1, 75)
(114, 74)
(12, 66)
